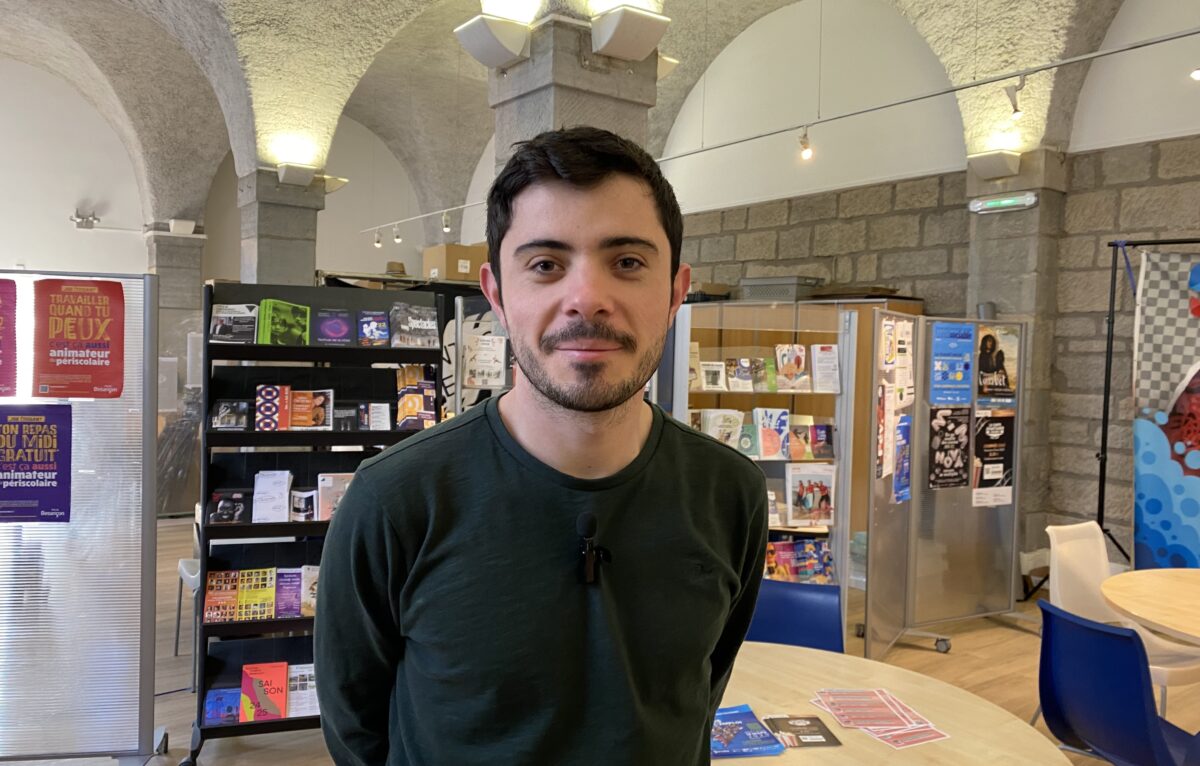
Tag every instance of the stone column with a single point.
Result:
(1013, 262)
(279, 229)
(176, 261)
(564, 84)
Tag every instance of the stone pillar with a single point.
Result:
(279, 229)
(176, 261)
(1013, 262)
(564, 84)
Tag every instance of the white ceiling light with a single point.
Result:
(396, 235)
(446, 222)
(378, 239)
(666, 65)
(295, 174)
(628, 33)
(1195, 75)
(494, 42)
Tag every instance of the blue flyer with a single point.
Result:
(951, 380)
(902, 477)
(737, 733)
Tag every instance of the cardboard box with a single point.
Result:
(458, 263)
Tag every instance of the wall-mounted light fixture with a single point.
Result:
(1014, 99)
(666, 65)
(993, 165)
(1001, 203)
(84, 221)
(628, 33)
(295, 174)
(494, 42)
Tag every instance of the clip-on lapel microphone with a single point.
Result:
(590, 554)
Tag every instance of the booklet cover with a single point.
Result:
(264, 691)
(737, 733)
(413, 326)
(288, 584)
(800, 731)
(221, 706)
(282, 323)
(373, 328)
(233, 323)
(334, 327)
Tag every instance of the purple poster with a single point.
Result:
(35, 462)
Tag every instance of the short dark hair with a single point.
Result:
(583, 157)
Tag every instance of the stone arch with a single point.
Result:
(161, 105)
(427, 99)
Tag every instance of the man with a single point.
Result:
(454, 623)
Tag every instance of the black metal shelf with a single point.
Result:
(271, 529)
(254, 627)
(304, 438)
(299, 723)
(363, 355)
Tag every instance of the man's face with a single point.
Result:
(587, 290)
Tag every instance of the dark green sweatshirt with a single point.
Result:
(453, 628)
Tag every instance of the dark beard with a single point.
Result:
(589, 394)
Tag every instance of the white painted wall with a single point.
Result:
(1146, 94)
(766, 79)
(379, 191)
(60, 153)
(474, 223)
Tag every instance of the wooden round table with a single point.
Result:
(772, 678)
(1166, 600)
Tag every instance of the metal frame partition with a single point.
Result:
(942, 542)
(78, 602)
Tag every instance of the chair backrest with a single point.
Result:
(1078, 564)
(798, 614)
(1095, 690)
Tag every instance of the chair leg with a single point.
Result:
(1036, 715)
(1162, 701)
(178, 614)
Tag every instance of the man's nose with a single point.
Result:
(590, 290)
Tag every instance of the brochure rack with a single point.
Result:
(231, 458)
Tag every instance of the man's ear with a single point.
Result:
(490, 284)
(679, 288)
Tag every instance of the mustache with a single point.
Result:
(586, 331)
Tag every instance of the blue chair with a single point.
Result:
(1097, 698)
(798, 614)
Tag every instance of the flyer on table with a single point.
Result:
(79, 338)
(35, 462)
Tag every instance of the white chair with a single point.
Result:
(189, 574)
(1078, 564)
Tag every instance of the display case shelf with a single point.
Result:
(299, 723)
(271, 529)
(341, 355)
(255, 627)
(305, 438)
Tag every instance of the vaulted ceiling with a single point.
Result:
(185, 81)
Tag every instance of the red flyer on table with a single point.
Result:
(79, 338)
(8, 337)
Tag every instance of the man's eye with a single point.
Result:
(543, 267)
(629, 264)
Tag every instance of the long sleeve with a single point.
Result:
(742, 610)
(358, 641)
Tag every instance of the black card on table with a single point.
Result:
(800, 731)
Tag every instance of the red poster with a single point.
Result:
(79, 338)
(8, 337)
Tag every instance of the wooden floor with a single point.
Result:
(994, 658)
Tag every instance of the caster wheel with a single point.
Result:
(860, 630)
(942, 645)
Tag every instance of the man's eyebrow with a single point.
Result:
(613, 242)
(542, 244)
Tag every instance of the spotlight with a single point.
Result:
(806, 151)
(378, 239)
(1195, 75)
(446, 222)
(1011, 91)
(396, 235)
